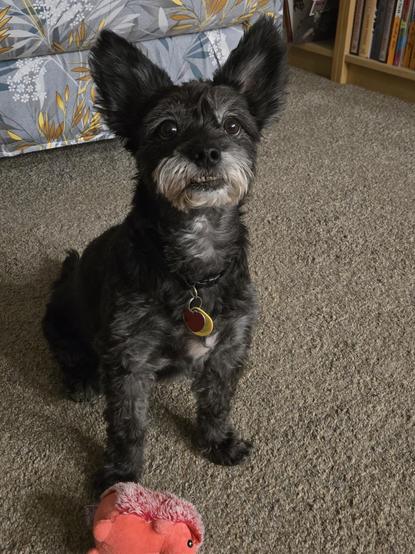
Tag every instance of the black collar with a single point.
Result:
(208, 282)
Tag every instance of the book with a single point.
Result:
(357, 26)
(287, 21)
(378, 28)
(366, 34)
(411, 39)
(386, 32)
(395, 31)
(403, 32)
(412, 60)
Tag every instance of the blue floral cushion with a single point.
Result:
(40, 27)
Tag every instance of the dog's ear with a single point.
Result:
(126, 82)
(257, 69)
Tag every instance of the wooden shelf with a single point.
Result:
(312, 56)
(324, 48)
(401, 72)
(381, 77)
(333, 60)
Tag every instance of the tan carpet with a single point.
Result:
(329, 393)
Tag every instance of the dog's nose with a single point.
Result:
(206, 157)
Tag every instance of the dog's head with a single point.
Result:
(195, 143)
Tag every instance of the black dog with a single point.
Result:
(130, 309)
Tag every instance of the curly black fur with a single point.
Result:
(115, 314)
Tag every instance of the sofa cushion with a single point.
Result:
(31, 28)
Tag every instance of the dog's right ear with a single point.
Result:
(126, 81)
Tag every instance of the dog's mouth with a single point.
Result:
(205, 184)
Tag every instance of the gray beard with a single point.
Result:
(174, 175)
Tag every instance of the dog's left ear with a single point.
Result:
(127, 81)
(257, 69)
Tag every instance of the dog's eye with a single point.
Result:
(231, 126)
(168, 130)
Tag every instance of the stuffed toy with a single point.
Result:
(133, 520)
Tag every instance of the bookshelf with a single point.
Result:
(334, 61)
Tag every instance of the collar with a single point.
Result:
(208, 282)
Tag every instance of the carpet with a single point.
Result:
(328, 395)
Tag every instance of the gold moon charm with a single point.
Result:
(198, 321)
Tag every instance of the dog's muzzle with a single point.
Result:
(187, 187)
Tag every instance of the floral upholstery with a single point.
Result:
(46, 92)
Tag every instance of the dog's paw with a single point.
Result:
(230, 451)
(103, 480)
(106, 478)
(81, 391)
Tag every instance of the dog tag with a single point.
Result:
(198, 321)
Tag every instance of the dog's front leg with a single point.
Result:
(214, 387)
(127, 391)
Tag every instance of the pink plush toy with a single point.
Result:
(133, 520)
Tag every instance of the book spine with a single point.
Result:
(386, 34)
(366, 35)
(378, 28)
(411, 38)
(357, 26)
(412, 60)
(287, 22)
(395, 31)
(403, 33)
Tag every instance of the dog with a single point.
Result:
(168, 291)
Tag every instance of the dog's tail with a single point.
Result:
(62, 327)
(68, 267)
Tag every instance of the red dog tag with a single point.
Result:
(198, 321)
(194, 320)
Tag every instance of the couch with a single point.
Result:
(46, 91)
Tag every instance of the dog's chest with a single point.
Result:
(198, 348)
(199, 240)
